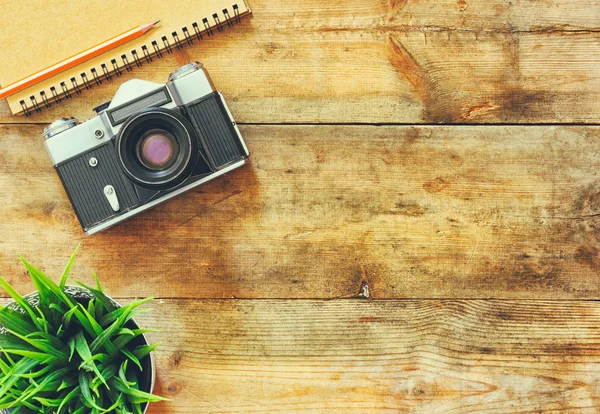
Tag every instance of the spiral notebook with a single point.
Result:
(36, 35)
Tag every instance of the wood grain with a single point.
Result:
(409, 356)
(415, 212)
(376, 356)
(358, 211)
(400, 61)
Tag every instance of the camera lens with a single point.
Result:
(157, 148)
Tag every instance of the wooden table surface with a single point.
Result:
(418, 228)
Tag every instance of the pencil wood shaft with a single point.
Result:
(76, 60)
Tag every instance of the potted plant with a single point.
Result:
(72, 349)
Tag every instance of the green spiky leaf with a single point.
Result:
(67, 271)
(66, 355)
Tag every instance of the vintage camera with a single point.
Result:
(150, 143)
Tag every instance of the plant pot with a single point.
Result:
(83, 295)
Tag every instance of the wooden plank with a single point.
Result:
(376, 356)
(398, 62)
(424, 356)
(474, 212)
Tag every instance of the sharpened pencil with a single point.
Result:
(76, 60)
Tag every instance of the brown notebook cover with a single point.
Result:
(36, 35)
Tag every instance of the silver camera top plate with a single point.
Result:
(98, 130)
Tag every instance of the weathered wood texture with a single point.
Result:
(412, 211)
(477, 212)
(409, 356)
(377, 356)
(402, 61)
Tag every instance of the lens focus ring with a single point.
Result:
(157, 148)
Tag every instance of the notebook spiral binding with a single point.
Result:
(114, 69)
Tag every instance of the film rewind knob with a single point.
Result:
(184, 70)
(58, 126)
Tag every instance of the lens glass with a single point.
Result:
(157, 149)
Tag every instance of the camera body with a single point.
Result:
(150, 143)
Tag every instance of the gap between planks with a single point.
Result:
(382, 124)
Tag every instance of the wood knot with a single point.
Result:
(394, 7)
(58, 213)
(505, 316)
(272, 47)
(174, 388)
(436, 185)
(409, 209)
(49, 207)
(587, 255)
(486, 350)
(425, 389)
(175, 359)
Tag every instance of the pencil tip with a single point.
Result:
(156, 22)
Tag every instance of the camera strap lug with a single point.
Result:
(111, 196)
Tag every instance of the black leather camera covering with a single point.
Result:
(85, 186)
(219, 139)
